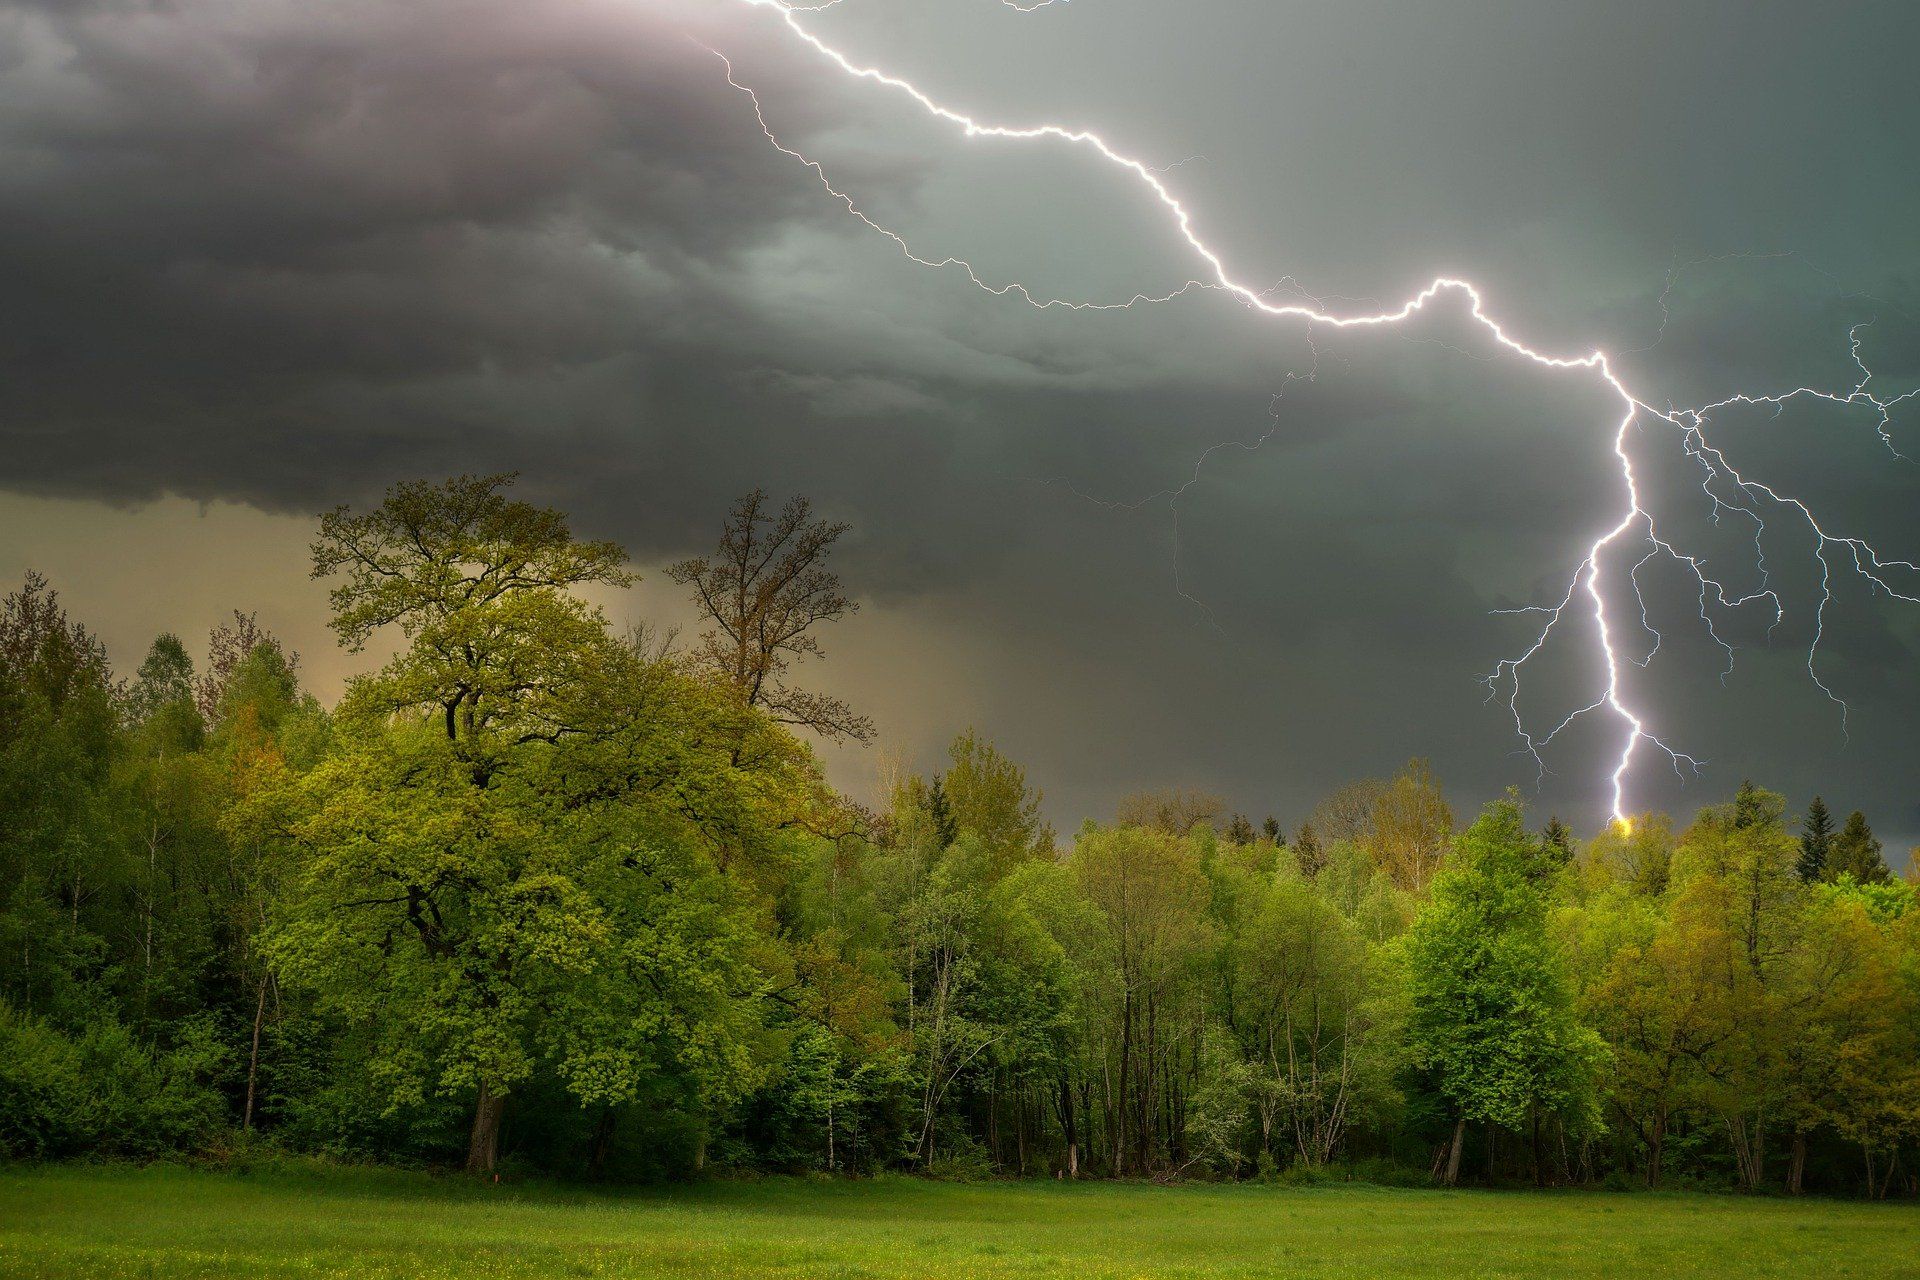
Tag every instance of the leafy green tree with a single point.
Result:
(61, 856)
(228, 646)
(163, 692)
(490, 933)
(498, 864)
(988, 796)
(1150, 895)
(1223, 1096)
(1637, 854)
(1408, 826)
(1737, 899)
(1490, 1015)
(1308, 998)
(1845, 1022)
(1660, 1011)
(266, 733)
(481, 588)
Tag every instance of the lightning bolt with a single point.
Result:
(1590, 585)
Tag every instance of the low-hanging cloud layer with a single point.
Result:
(284, 254)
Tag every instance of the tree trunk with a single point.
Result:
(603, 1129)
(1453, 1152)
(1797, 1167)
(483, 1146)
(1656, 1142)
(1067, 1126)
(1749, 1150)
(1126, 1064)
(253, 1059)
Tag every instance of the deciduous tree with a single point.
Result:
(765, 592)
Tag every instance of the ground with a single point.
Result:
(162, 1222)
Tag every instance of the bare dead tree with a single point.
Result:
(230, 644)
(764, 591)
(1175, 810)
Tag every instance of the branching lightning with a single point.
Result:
(1592, 584)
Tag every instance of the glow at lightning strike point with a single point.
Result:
(1587, 576)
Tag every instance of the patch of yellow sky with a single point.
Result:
(129, 572)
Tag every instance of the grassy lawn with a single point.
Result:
(73, 1221)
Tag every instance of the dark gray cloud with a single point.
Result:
(287, 253)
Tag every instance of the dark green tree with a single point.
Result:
(1816, 841)
(1558, 841)
(1306, 849)
(940, 810)
(1753, 807)
(1856, 853)
(58, 741)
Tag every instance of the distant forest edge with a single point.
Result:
(542, 895)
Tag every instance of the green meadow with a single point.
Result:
(171, 1221)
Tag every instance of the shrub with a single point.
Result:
(102, 1091)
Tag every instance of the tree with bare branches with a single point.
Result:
(764, 591)
(228, 645)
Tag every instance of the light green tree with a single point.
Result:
(508, 862)
(1490, 1016)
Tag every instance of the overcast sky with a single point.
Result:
(259, 258)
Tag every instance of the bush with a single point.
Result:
(102, 1091)
(1390, 1173)
(958, 1158)
(1309, 1175)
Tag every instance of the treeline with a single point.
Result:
(542, 893)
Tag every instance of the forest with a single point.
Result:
(540, 896)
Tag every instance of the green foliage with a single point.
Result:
(1816, 841)
(1884, 901)
(1490, 1015)
(480, 587)
(562, 901)
(1856, 853)
(989, 797)
(102, 1090)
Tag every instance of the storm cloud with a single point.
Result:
(283, 254)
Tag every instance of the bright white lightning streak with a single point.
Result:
(1587, 577)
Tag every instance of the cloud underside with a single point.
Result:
(285, 254)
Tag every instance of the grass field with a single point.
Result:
(73, 1221)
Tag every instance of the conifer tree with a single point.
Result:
(1558, 840)
(1856, 853)
(1816, 841)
